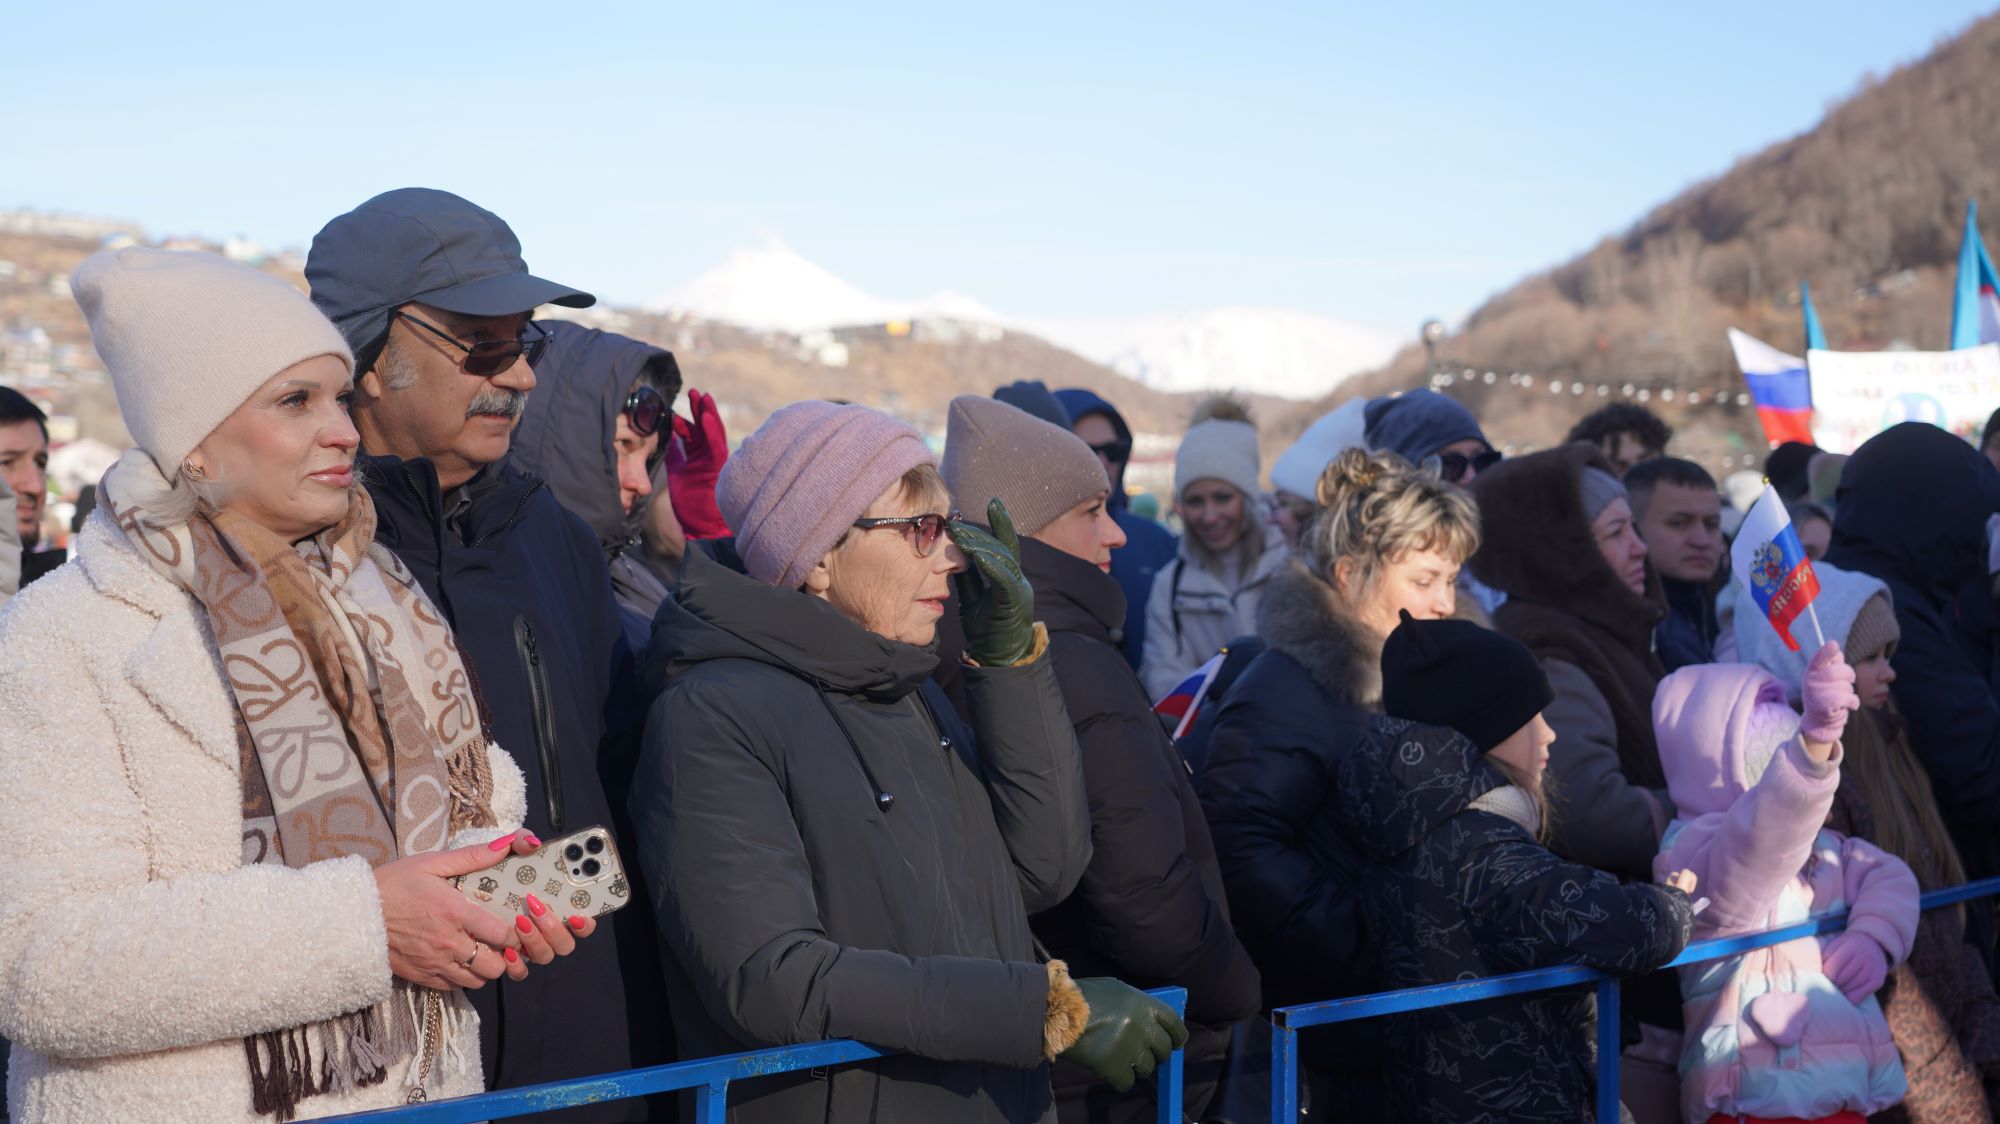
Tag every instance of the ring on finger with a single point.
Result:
(477, 948)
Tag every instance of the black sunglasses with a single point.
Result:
(1114, 451)
(930, 528)
(1452, 466)
(644, 409)
(490, 357)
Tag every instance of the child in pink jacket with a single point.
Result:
(1791, 1032)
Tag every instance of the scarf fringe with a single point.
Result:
(353, 1051)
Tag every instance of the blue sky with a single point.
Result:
(1380, 164)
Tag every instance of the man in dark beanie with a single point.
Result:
(1444, 797)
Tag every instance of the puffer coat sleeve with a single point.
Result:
(1601, 818)
(1143, 894)
(1033, 774)
(740, 911)
(1534, 910)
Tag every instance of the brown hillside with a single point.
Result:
(1866, 207)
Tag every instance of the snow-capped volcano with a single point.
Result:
(1284, 352)
(772, 288)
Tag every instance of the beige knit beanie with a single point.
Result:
(993, 450)
(1219, 450)
(189, 336)
(1874, 629)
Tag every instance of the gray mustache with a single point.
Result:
(499, 403)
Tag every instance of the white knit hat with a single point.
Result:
(1219, 450)
(189, 336)
(1297, 469)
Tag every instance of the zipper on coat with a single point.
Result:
(545, 735)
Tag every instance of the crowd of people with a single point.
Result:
(400, 584)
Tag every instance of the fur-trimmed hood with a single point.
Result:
(1302, 617)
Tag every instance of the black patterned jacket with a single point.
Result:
(1457, 893)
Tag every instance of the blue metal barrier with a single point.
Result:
(709, 1078)
(1286, 1022)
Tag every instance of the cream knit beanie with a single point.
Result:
(996, 451)
(189, 336)
(1219, 450)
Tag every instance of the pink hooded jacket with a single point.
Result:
(1767, 1033)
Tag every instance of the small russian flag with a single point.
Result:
(1183, 703)
(1772, 564)
(1778, 385)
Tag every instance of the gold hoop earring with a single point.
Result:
(193, 471)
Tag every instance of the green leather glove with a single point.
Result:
(997, 607)
(1129, 1033)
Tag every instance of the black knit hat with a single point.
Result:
(1484, 684)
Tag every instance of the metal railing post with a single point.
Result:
(1607, 1051)
(711, 1103)
(1284, 1070)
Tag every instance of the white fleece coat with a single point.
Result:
(136, 949)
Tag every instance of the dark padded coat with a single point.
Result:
(581, 382)
(1912, 511)
(1151, 909)
(1269, 790)
(524, 586)
(1455, 892)
(795, 906)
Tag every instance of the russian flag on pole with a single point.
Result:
(1183, 703)
(1975, 306)
(1780, 387)
(1772, 564)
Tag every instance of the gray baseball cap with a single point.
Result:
(421, 244)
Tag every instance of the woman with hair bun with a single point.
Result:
(1388, 539)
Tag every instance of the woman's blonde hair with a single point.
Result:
(185, 498)
(1375, 508)
(1877, 756)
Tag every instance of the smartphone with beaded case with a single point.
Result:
(577, 874)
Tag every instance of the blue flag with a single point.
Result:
(1975, 305)
(1815, 335)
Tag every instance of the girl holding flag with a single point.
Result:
(1941, 1006)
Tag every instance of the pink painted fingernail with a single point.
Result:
(512, 956)
(576, 922)
(503, 842)
(523, 924)
(532, 841)
(535, 906)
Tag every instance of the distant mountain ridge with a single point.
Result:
(1279, 352)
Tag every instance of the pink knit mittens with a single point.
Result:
(1855, 964)
(1828, 695)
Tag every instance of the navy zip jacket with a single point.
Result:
(524, 586)
(1148, 546)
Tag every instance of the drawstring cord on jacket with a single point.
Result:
(883, 799)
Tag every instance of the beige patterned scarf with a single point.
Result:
(356, 726)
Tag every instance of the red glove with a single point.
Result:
(695, 458)
(1856, 965)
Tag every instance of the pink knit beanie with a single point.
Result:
(799, 482)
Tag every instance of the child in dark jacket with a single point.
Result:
(1445, 795)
